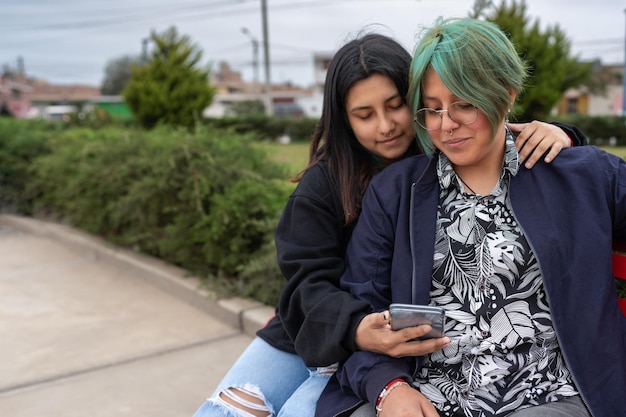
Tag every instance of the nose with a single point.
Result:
(447, 123)
(386, 126)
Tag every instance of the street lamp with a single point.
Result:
(255, 52)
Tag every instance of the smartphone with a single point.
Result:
(409, 315)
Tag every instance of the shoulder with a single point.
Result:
(408, 170)
(316, 181)
(590, 166)
(585, 159)
(317, 190)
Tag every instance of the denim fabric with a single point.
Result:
(288, 386)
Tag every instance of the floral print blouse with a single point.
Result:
(504, 354)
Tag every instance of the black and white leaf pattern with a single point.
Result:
(504, 354)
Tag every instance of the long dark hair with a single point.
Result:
(333, 140)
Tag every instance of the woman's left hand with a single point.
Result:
(536, 138)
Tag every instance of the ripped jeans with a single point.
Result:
(287, 387)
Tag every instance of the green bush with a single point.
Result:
(206, 202)
(20, 142)
(600, 129)
(262, 127)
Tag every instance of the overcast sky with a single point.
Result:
(71, 41)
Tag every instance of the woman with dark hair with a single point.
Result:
(365, 126)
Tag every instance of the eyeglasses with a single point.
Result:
(460, 112)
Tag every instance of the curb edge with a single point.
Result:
(242, 313)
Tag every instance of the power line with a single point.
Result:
(136, 16)
(199, 11)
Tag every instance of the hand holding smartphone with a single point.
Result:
(410, 315)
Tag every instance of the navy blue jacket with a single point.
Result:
(314, 317)
(569, 210)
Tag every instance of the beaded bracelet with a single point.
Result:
(388, 388)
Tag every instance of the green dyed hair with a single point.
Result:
(476, 62)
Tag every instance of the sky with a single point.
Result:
(72, 41)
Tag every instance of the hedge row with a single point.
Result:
(601, 130)
(208, 202)
(259, 127)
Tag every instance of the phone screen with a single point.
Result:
(410, 315)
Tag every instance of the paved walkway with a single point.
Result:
(88, 329)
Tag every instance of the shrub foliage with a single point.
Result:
(208, 202)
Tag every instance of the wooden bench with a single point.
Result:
(619, 268)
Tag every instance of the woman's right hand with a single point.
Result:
(406, 401)
(374, 334)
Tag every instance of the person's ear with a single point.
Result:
(513, 95)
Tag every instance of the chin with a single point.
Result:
(392, 156)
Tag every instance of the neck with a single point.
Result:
(478, 181)
(481, 178)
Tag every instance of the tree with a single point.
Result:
(169, 88)
(117, 73)
(479, 8)
(552, 69)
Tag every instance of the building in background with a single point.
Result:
(28, 98)
(57, 102)
(585, 102)
(14, 96)
(287, 100)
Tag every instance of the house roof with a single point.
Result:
(6, 85)
(44, 92)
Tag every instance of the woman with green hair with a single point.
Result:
(519, 259)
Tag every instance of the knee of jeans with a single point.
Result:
(243, 401)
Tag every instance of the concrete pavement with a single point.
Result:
(88, 329)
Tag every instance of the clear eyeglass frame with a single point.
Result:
(460, 112)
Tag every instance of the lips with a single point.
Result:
(387, 140)
(455, 142)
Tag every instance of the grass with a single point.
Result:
(616, 150)
(296, 155)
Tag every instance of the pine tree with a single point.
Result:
(169, 88)
(552, 69)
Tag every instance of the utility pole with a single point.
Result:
(21, 69)
(255, 53)
(269, 107)
(144, 51)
